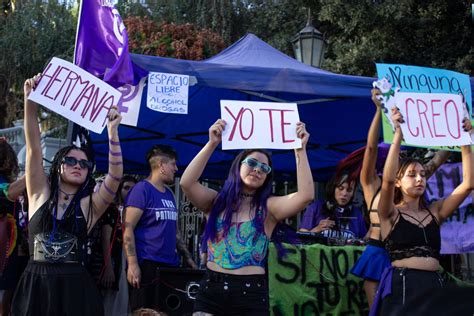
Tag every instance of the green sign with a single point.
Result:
(315, 280)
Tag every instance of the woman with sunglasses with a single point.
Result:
(62, 210)
(241, 219)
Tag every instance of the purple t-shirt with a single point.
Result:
(155, 232)
(313, 215)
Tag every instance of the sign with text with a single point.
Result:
(168, 93)
(315, 280)
(75, 94)
(432, 119)
(422, 80)
(253, 124)
(457, 232)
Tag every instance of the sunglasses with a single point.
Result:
(71, 162)
(253, 163)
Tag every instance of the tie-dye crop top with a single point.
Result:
(242, 247)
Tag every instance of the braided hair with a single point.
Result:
(54, 180)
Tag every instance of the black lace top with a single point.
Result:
(408, 239)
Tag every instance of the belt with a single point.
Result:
(59, 250)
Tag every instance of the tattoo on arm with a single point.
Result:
(129, 247)
(430, 168)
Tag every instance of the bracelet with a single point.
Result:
(114, 143)
(114, 177)
(115, 153)
(115, 163)
(109, 190)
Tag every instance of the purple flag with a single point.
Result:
(102, 44)
(102, 50)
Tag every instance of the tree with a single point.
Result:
(183, 41)
(29, 37)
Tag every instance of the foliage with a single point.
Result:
(433, 33)
(29, 37)
(183, 41)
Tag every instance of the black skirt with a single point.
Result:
(56, 289)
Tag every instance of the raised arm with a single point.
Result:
(438, 159)
(199, 195)
(16, 188)
(386, 206)
(447, 206)
(282, 207)
(106, 193)
(36, 181)
(368, 173)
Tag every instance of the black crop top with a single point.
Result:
(407, 239)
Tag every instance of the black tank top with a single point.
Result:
(73, 222)
(407, 239)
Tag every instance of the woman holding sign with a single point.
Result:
(411, 227)
(62, 209)
(375, 259)
(241, 219)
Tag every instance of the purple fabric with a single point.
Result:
(313, 215)
(102, 44)
(385, 288)
(155, 232)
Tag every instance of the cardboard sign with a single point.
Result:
(395, 78)
(168, 93)
(75, 94)
(432, 119)
(259, 125)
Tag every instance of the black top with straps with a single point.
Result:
(407, 239)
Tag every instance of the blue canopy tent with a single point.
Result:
(337, 109)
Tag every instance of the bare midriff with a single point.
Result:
(420, 263)
(240, 271)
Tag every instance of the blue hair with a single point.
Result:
(228, 199)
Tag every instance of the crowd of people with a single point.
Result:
(62, 233)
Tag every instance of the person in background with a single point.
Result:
(62, 209)
(11, 188)
(107, 263)
(240, 221)
(150, 229)
(336, 216)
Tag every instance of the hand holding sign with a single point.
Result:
(114, 119)
(302, 133)
(30, 85)
(215, 132)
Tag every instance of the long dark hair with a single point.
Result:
(330, 204)
(228, 200)
(119, 200)
(8, 161)
(398, 194)
(54, 181)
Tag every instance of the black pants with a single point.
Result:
(407, 285)
(148, 295)
(228, 294)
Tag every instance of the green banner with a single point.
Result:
(315, 280)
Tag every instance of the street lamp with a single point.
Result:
(309, 45)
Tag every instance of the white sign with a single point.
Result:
(129, 107)
(259, 125)
(75, 94)
(432, 119)
(168, 93)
